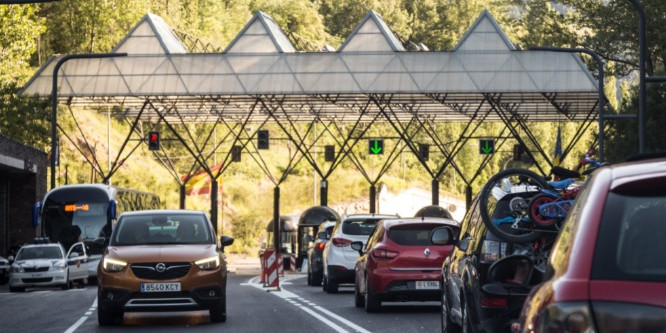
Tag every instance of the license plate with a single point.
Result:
(160, 287)
(36, 275)
(427, 285)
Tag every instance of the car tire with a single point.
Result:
(372, 304)
(16, 289)
(331, 286)
(447, 325)
(467, 326)
(4, 280)
(218, 314)
(316, 279)
(310, 280)
(359, 301)
(67, 285)
(108, 318)
(324, 284)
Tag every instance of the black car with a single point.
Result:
(478, 295)
(315, 262)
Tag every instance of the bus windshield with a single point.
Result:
(73, 214)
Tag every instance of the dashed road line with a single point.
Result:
(83, 318)
(309, 307)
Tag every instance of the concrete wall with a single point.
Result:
(22, 183)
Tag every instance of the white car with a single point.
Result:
(46, 265)
(338, 257)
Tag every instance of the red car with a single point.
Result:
(608, 266)
(402, 261)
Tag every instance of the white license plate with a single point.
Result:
(160, 287)
(37, 275)
(427, 285)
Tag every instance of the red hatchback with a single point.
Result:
(402, 261)
(608, 266)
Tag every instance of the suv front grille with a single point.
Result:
(149, 270)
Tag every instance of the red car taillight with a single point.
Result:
(570, 317)
(384, 254)
(340, 242)
(320, 246)
(493, 302)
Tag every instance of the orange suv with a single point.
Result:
(162, 260)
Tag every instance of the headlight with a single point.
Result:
(113, 265)
(16, 269)
(60, 265)
(208, 263)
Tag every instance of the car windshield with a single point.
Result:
(359, 226)
(162, 229)
(41, 252)
(631, 238)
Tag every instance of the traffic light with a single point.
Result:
(424, 151)
(486, 146)
(262, 139)
(153, 140)
(517, 152)
(375, 146)
(236, 153)
(329, 153)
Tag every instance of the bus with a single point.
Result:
(86, 212)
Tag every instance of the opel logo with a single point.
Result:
(160, 267)
(426, 252)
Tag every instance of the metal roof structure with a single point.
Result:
(372, 77)
(261, 63)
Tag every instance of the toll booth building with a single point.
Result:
(22, 183)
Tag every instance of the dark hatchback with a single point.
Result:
(476, 296)
(315, 253)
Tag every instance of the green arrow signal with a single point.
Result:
(376, 149)
(487, 148)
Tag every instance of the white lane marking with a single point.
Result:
(76, 325)
(83, 318)
(294, 299)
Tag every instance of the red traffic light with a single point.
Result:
(153, 140)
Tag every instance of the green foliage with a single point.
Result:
(19, 30)
(26, 119)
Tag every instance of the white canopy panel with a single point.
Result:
(262, 63)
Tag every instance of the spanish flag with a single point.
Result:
(200, 183)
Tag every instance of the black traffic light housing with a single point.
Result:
(154, 140)
(329, 153)
(262, 139)
(424, 151)
(518, 152)
(236, 153)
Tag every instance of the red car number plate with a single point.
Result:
(427, 285)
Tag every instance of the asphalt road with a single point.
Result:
(250, 308)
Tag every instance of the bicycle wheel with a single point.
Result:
(504, 204)
(534, 212)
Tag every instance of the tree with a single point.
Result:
(19, 31)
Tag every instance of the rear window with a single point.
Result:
(632, 238)
(359, 226)
(415, 234)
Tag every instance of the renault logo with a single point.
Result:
(161, 267)
(426, 252)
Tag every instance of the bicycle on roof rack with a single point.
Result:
(520, 206)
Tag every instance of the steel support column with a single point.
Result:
(373, 198)
(276, 221)
(323, 192)
(182, 196)
(213, 205)
(435, 192)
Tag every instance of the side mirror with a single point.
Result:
(514, 270)
(226, 241)
(308, 239)
(11, 259)
(322, 235)
(73, 254)
(358, 246)
(442, 236)
(464, 243)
